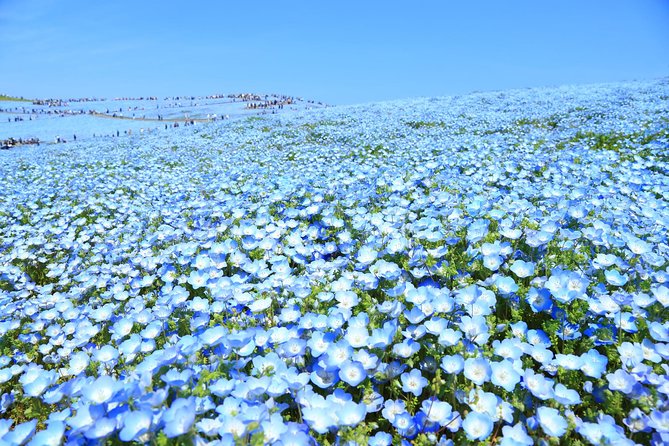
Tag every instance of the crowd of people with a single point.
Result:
(59, 107)
(8, 143)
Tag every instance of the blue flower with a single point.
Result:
(320, 419)
(179, 418)
(352, 373)
(538, 385)
(35, 380)
(613, 277)
(621, 380)
(51, 436)
(380, 439)
(551, 421)
(102, 427)
(135, 424)
(515, 435)
(477, 370)
(351, 413)
(477, 426)
(413, 382)
(437, 411)
(452, 364)
(101, 390)
(522, 269)
(504, 375)
(21, 433)
(593, 363)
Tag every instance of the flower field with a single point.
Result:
(487, 268)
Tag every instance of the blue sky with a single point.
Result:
(339, 52)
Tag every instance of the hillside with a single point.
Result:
(490, 267)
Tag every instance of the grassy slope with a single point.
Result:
(4, 97)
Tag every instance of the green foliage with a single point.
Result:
(4, 97)
(416, 125)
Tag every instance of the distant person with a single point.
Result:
(74, 137)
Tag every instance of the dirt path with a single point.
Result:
(130, 118)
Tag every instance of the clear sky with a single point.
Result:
(340, 52)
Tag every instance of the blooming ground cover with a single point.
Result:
(487, 268)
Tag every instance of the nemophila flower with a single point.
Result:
(613, 277)
(505, 285)
(102, 427)
(179, 417)
(638, 246)
(568, 362)
(320, 419)
(649, 351)
(392, 408)
(405, 424)
(538, 385)
(515, 435)
(105, 354)
(475, 329)
(135, 424)
(437, 411)
(6, 400)
(51, 436)
(351, 413)
(566, 286)
(538, 338)
(566, 396)
(551, 421)
(347, 299)
(352, 373)
(85, 417)
(413, 382)
(492, 262)
(637, 421)
(484, 402)
(380, 439)
(452, 364)
(631, 355)
(406, 348)
(659, 420)
(357, 336)
(477, 426)
(213, 336)
(234, 425)
(522, 269)
(366, 255)
(658, 331)
(504, 375)
(477, 370)
(175, 378)
(21, 433)
(661, 293)
(539, 299)
(449, 337)
(293, 347)
(621, 380)
(468, 295)
(509, 348)
(415, 315)
(324, 377)
(122, 328)
(386, 270)
(36, 380)
(368, 360)
(100, 390)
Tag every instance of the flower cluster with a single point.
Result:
(493, 267)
